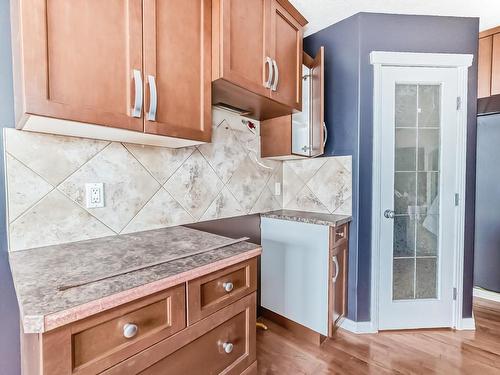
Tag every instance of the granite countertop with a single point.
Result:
(37, 273)
(309, 217)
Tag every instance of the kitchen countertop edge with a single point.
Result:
(332, 220)
(40, 324)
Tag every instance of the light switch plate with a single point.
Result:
(94, 194)
(277, 188)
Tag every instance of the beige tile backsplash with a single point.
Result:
(151, 187)
(318, 185)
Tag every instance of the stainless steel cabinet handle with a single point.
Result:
(228, 286)
(228, 347)
(276, 75)
(325, 132)
(137, 109)
(389, 214)
(130, 330)
(269, 63)
(336, 262)
(153, 98)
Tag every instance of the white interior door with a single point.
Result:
(418, 186)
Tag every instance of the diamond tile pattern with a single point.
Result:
(306, 200)
(152, 187)
(128, 186)
(160, 212)
(225, 205)
(247, 183)
(51, 156)
(161, 162)
(224, 153)
(25, 188)
(51, 219)
(318, 185)
(194, 185)
(331, 177)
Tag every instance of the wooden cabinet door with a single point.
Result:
(79, 57)
(177, 68)
(317, 77)
(276, 137)
(286, 41)
(484, 66)
(495, 65)
(337, 299)
(243, 35)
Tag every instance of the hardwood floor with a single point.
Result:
(401, 352)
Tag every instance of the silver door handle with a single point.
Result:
(389, 214)
(137, 109)
(153, 98)
(277, 76)
(269, 63)
(336, 262)
(325, 132)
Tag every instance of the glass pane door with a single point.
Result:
(416, 191)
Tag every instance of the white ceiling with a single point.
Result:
(323, 13)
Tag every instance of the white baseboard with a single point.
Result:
(486, 294)
(357, 327)
(467, 324)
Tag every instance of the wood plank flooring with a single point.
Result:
(401, 352)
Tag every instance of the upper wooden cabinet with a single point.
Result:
(257, 56)
(78, 59)
(241, 43)
(286, 52)
(177, 68)
(489, 63)
(302, 134)
(135, 68)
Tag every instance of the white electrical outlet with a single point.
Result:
(94, 193)
(277, 188)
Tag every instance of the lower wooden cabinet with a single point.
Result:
(304, 269)
(338, 270)
(222, 343)
(152, 336)
(210, 293)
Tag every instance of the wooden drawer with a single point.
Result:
(339, 235)
(202, 348)
(100, 342)
(212, 292)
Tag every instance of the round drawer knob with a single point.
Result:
(228, 286)
(130, 330)
(228, 347)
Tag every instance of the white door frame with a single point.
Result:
(461, 62)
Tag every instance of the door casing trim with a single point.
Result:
(461, 62)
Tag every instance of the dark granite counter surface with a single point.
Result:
(309, 217)
(38, 273)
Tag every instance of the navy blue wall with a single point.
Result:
(387, 32)
(9, 322)
(341, 43)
